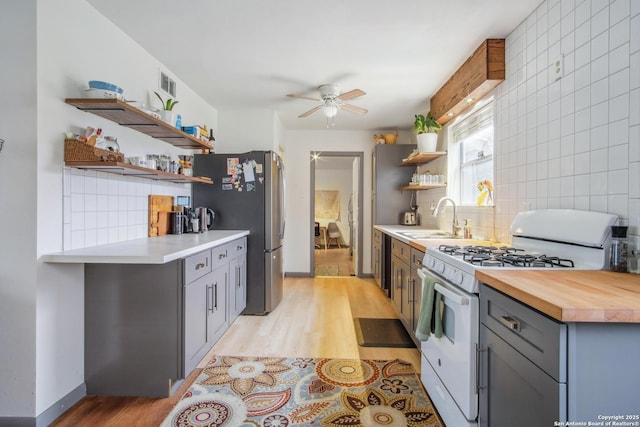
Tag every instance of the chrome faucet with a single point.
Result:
(455, 228)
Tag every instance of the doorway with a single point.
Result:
(336, 213)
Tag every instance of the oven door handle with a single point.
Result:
(454, 296)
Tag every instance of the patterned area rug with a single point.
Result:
(326, 270)
(279, 392)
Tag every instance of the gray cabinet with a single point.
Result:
(536, 371)
(148, 325)
(238, 278)
(522, 379)
(400, 279)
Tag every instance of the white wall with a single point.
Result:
(41, 305)
(245, 130)
(572, 142)
(299, 145)
(18, 166)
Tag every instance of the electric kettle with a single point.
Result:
(207, 219)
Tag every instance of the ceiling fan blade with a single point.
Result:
(353, 109)
(308, 113)
(352, 94)
(293, 95)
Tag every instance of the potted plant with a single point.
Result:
(426, 129)
(167, 113)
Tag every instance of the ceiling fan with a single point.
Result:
(332, 101)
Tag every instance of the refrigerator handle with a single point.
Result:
(282, 191)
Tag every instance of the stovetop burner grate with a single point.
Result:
(492, 256)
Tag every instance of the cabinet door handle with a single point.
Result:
(200, 265)
(222, 256)
(215, 293)
(238, 276)
(238, 248)
(510, 323)
(479, 351)
(208, 298)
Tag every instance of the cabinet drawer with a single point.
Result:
(416, 258)
(539, 338)
(220, 255)
(197, 266)
(237, 247)
(401, 250)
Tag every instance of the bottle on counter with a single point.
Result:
(634, 262)
(619, 248)
(467, 229)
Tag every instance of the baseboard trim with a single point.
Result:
(50, 414)
(297, 274)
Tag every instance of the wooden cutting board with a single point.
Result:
(159, 209)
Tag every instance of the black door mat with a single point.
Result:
(381, 333)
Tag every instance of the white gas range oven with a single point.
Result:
(548, 238)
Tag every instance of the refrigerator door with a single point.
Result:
(274, 200)
(274, 279)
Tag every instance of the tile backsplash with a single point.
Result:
(571, 140)
(102, 208)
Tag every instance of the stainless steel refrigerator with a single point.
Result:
(248, 194)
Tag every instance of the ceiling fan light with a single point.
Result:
(330, 109)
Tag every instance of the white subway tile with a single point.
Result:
(581, 203)
(600, 91)
(619, 10)
(66, 210)
(618, 181)
(77, 182)
(582, 166)
(582, 141)
(582, 77)
(77, 239)
(598, 203)
(66, 239)
(90, 238)
(619, 34)
(619, 58)
(77, 221)
(618, 157)
(90, 220)
(102, 236)
(599, 137)
(634, 180)
(634, 107)
(582, 54)
(599, 23)
(600, 68)
(566, 8)
(634, 71)
(66, 182)
(90, 202)
(77, 203)
(619, 132)
(634, 33)
(619, 107)
(619, 83)
(582, 12)
(599, 160)
(102, 220)
(618, 204)
(634, 144)
(599, 114)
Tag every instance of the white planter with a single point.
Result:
(427, 142)
(168, 116)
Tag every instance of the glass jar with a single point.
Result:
(619, 249)
(634, 262)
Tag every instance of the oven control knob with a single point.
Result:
(429, 261)
(458, 277)
(439, 267)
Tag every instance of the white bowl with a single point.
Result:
(102, 93)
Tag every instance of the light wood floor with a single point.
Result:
(335, 256)
(314, 319)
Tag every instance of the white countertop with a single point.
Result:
(150, 250)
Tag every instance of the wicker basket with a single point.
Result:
(79, 151)
(390, 138)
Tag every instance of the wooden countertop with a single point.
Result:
(571, 296)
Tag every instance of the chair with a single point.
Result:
(333, 232)
(317, 232)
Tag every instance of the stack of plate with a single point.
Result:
(99, 89)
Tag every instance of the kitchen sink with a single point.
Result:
(427, 234)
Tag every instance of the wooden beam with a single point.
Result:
(482, 72)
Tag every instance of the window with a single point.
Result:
(472, 142)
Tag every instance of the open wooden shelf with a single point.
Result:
(422, 187)
(422, 158)
(132, 170)
(124, 114)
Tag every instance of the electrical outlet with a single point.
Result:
(558, 68)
